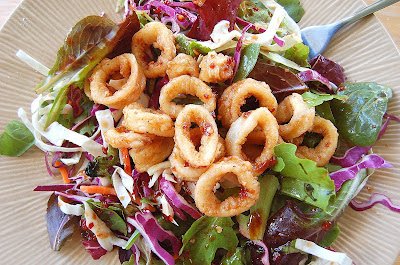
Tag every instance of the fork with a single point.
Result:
(318, 37)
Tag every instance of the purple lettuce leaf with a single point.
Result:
(210, 13)
(328, 69)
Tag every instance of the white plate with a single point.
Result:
(39, 26)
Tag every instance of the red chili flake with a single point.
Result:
(326, 225)
(212, 65)
(91, 225)
(256, 9)
(180, 17)
(186, 164)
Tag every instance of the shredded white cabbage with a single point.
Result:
(73, 160)
(156, 171)
(282, 60)
(166, 208)
(123, 185)
(35, 64)
(104, 235)
(70, 208)
(106, 122)
(331, 257)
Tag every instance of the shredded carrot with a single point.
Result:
(63, 171)
(98, 190)
(127, 161)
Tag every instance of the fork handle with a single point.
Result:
(368, 10)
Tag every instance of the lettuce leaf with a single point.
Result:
(314, 99)
(328, 69)
(298, 54)
(109, 215)
(359, 118)
(205, 237)
(88, 42)
(303, 180)
(234, 259)
(293, 8)
(249, 57)
(16, 139)
(190, 47)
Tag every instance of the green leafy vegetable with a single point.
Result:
(314, 99)
(101, 165)
(131, 261)
(248, 60)
(135, 236)
(311, 139)
(178, 230)
(324, 110)
(293, 7)
(88, 42)
(205, 237)
(359, 119)
(255, 224)
(234, 259)
(190, 47)
(16, 139)
(110, 217)
(330, 236)
(303, 179)
(298, 54)
(255, 12)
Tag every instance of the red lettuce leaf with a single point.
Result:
(281, 81)
(210, 13)
(94, 249)
(328, 69)
(60, 226)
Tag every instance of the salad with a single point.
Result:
(199, 132)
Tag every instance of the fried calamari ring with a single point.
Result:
(297, 115)
(234, 97)
(113, 97)
(182, 169)
(183, 64)
(152, 154)
(121, 137)
(242, 127)
(154, 34)
(143, 120)
(209, 141)
(323, 152)
(216, 68)
(210, 205)
(185, 85)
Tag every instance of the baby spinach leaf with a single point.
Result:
(205, 237)
(359, 118)
(60, 226)
(330, 236)
(248, 60)
(303, 180)
(16, 139)
(293, 7)
(324, 110)
(298, 54)
(314, 99)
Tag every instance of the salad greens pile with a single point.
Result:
(158, 224)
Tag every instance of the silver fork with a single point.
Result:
(318, 37)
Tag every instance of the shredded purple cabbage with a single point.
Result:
(392, 117)
(47, 163)
(376, 198)
(372, 161)
(351, 157)
(245, 23)
(96, 107)
(153, 233)
(177, 200)
(155, 96)
(76, 198)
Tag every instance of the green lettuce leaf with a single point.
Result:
(303, 180)
(330, 236)
(359, 119)
(101, 165)
(324, 110)
(205, 237)
(314, 99)
(298, 54)
(255, 224)
(248, 60)
(16, 139)
(88, 42)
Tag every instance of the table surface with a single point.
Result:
(390, 17)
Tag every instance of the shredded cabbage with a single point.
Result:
(35, 64)
(106, 122)
(123, 185)
(70, 209)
